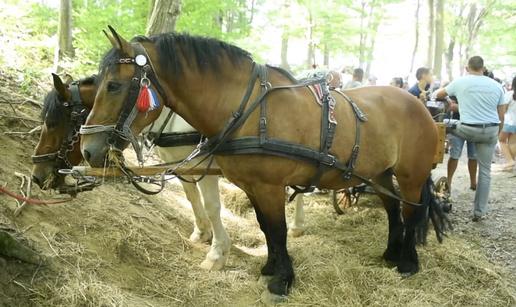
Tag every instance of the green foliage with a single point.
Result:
(346, 28)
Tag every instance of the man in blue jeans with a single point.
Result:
(456, 146)
(482, 112)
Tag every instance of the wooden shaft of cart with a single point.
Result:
(142, 171)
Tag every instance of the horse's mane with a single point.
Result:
(200, 52)
(53, 109)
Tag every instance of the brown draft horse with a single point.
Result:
(62, 116)
(204, 80)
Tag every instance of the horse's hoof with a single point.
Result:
(407, 269)
(201, 237)
(216, 265)
(264, 280)
(269, 298)
(295, 232)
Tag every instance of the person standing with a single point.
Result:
(358, 77)
(456, 146)
(482, 106)
(507, 137)
(424, 80)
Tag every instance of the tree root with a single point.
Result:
(13, 248)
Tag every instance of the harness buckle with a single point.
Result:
(263, 123)
(266, 85)
(332, 163)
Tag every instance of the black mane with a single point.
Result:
(200, 52)
(54, 111)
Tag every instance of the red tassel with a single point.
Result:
(143, 99)
(314, 66)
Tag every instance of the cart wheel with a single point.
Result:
(343, 199)
(442, 191)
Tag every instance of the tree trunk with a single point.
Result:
(64, 28)
(151, 8)
(363, 35)
(285, 14)
(326, 61)
(449, 59)
(461, 59)
(218, 20)
(431, 27)
(311, 48)
(439, 38)
(164, 16)
(371, 47)
(416, 43)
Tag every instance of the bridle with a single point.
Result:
(77, 118)
(144, 74)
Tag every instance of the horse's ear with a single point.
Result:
(110, 38)
(60, 87)
(119, 42)
(68, 79)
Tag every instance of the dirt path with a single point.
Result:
(495, 236)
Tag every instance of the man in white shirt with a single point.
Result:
(482, 106)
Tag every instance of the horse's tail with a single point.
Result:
(433, 207)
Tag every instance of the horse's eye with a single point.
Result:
(113, 86)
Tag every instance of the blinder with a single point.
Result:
(77, 118)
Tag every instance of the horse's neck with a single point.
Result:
(174, 124)
(209, 105)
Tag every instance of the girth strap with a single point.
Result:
(327, 133)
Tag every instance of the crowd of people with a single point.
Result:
(485, 119)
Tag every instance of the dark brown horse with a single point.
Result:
(204, 80)
(63, 113)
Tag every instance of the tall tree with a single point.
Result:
(416, 39)
(439, 38)
(285, 17)
(164, 16)
(431, 27)
(64, 28)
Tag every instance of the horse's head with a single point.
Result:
(64, 111)
(129, 98)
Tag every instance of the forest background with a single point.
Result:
(387, 38)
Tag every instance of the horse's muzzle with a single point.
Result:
(94, 149)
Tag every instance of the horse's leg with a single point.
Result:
(268, 269)
(414, 217)
(202, 230)
(269, 204)
(221, 243)
(392, 206)
(295, 229)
